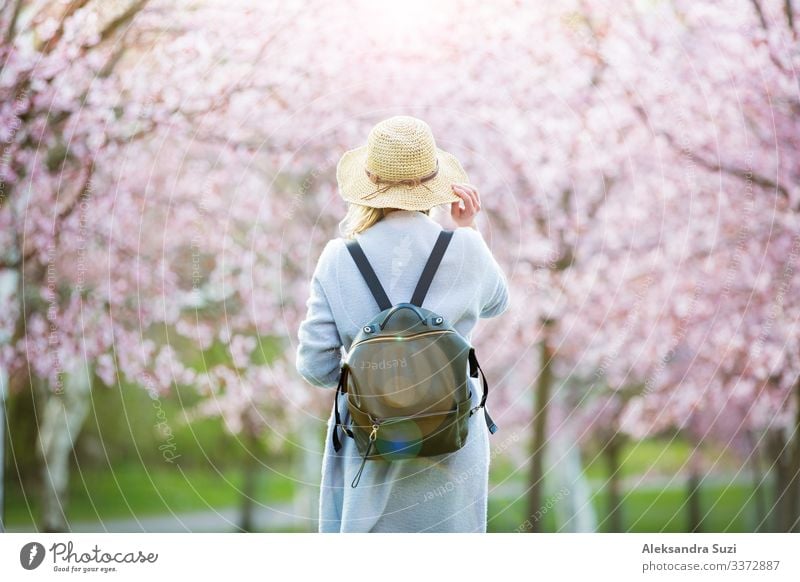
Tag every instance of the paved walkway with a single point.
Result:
(281, 518)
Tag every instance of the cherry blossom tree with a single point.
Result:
(57, 65)
(697, 306)
(171, 167)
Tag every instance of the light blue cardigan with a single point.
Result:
(447, 493)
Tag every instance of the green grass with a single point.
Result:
(652, 457)
(661, 457)
(649, 510)
(653, 507)
(99, 493)
(130, 491)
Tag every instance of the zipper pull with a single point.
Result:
(372, 437)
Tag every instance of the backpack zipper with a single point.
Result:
(378, 422)
(401, 338)
(373, 436)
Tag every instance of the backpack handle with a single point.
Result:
(397, 308)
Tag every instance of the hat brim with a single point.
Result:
(355, 185)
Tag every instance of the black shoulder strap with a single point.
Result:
(369, 274)
(429, 271)
(474, 366)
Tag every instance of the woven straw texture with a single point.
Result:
(399, 167)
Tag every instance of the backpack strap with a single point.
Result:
(369, 274)
(430, 267)
(341, 388)
(474, 366)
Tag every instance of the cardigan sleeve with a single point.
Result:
(494, 286)
(319, 345)
(495, 290)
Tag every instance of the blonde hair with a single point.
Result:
(359, 218)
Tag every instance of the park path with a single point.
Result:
(278, 518)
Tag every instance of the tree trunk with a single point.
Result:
(536, 473)
(793, 484)
(611, 454)
(3, 424)
(247, 520)
(758, 486)
(776, 451)
(695, 513)
(9, 281)
(783, 452)
(62, 419)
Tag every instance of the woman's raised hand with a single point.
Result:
(472, 205)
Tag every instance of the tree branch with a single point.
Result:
(73, 203)
(757, 179)
(760, 14)
(11, 29)
(71, 9)
(123, 18)
(763, 20)
(115, 57)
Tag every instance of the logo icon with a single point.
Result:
(31, 555)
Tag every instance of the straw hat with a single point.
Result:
(399, 167)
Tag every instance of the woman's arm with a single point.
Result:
(319, 345)
(494, 290)
(494, 286)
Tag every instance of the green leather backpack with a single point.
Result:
(406, 376)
